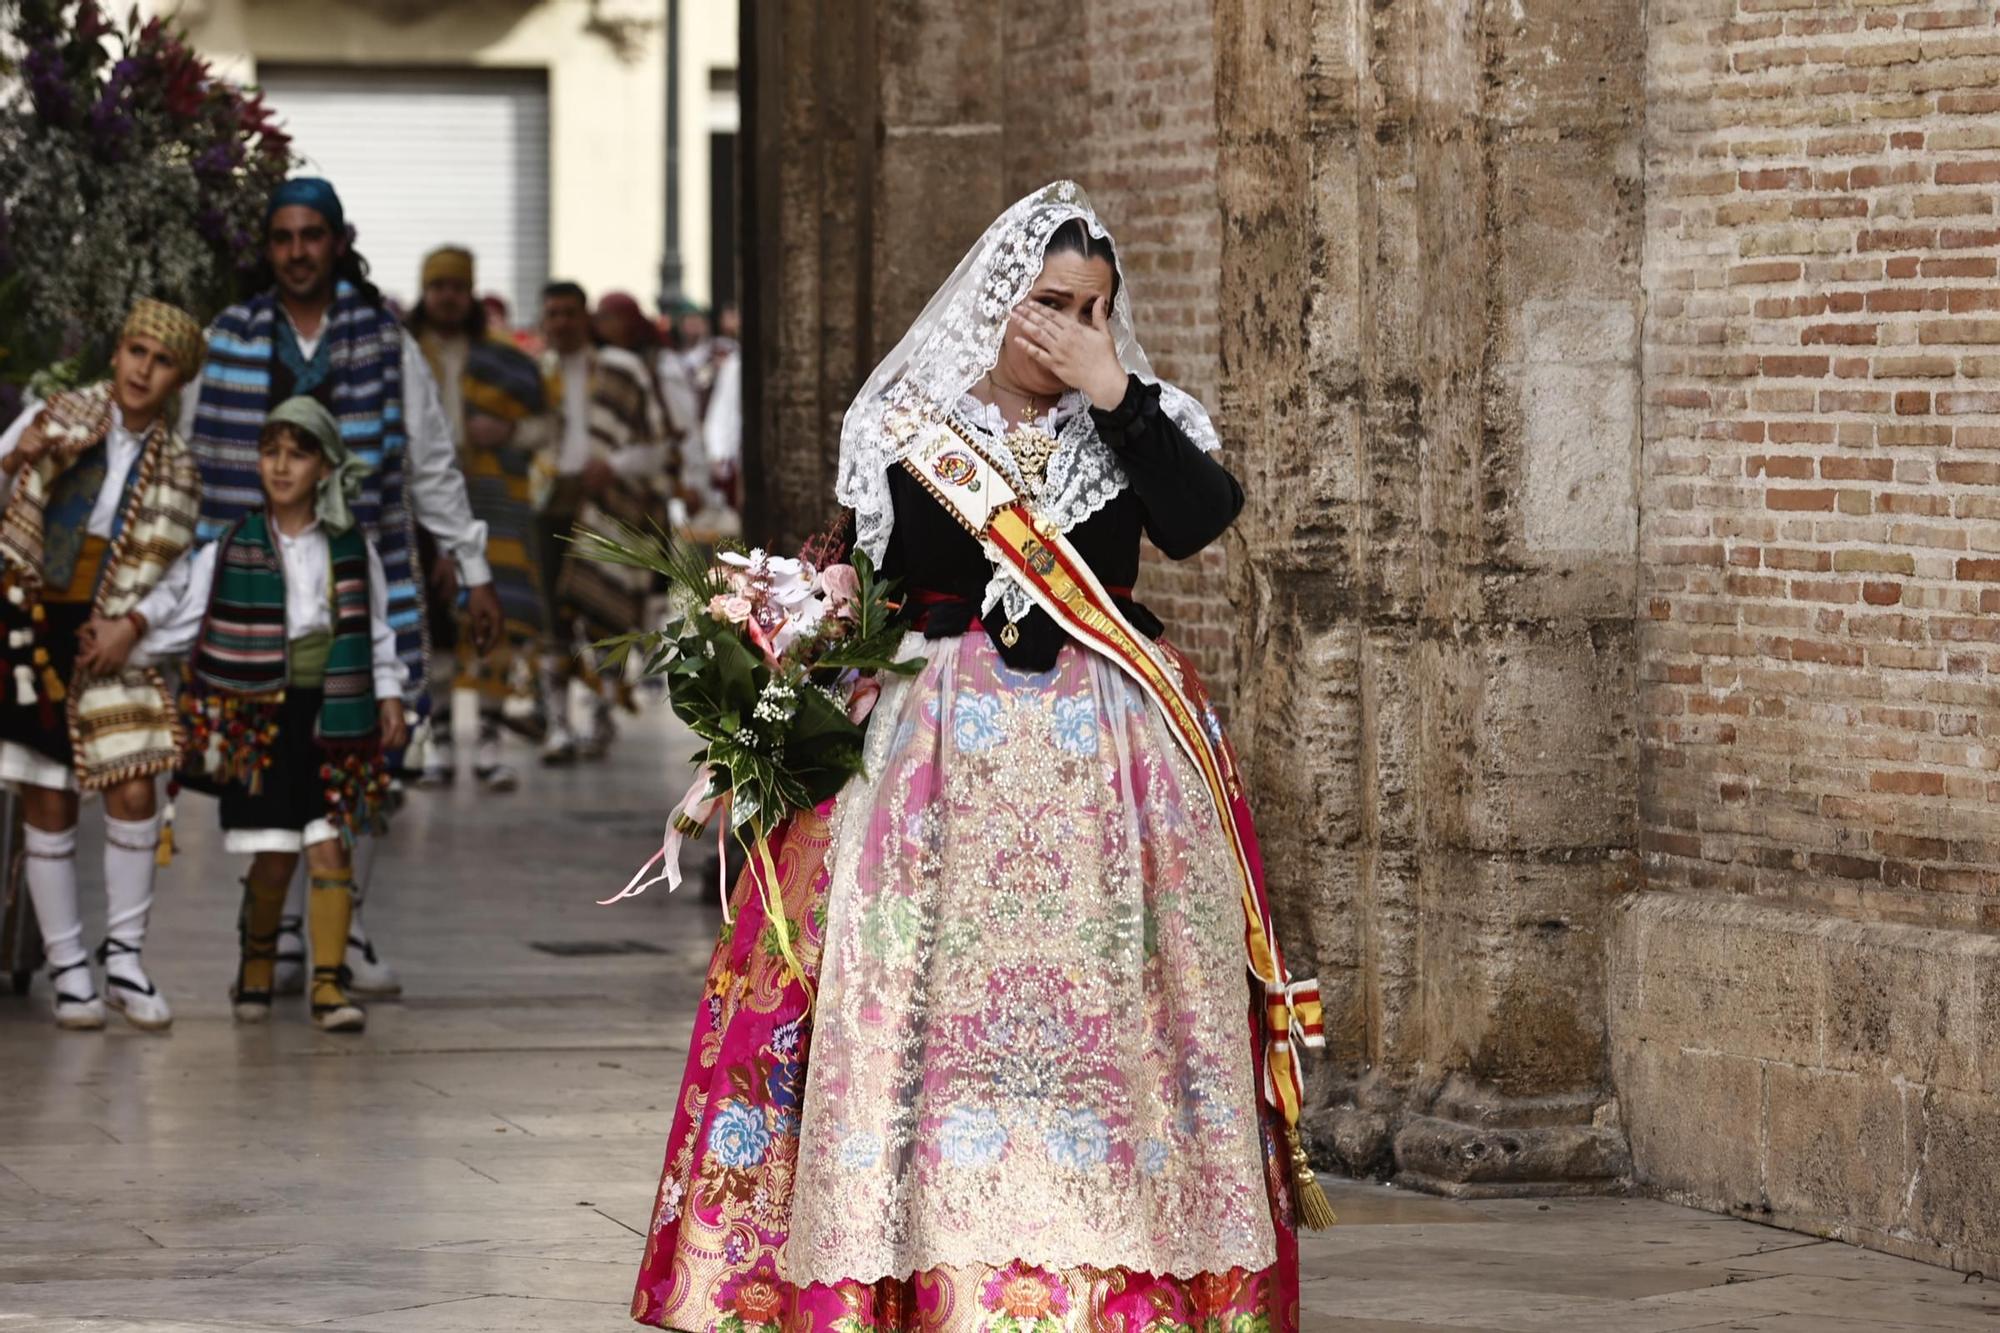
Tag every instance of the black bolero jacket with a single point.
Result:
(1180, 497)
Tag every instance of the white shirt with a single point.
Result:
(121, 448)
(575, 449)
(431, 478)
(174, 609)
(681, 399)
(453, 351)
(722, 430)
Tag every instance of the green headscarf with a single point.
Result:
(338, 491)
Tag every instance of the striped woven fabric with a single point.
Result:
(364, 392)
(124, 725)
(503, 382)
(241, 649)
(624, 413)
(348, 711)
(242, 645)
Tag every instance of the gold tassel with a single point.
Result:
(52, 686)
(1315, 1209)
(165, 856)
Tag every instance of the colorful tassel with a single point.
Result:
(1315, 1209)
(165, 857)
(52, 685)
(24, 686)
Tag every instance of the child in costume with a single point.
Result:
(102, 497)
(294, 690)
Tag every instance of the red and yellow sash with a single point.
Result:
(955, 469)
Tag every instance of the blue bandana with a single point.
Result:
(313, 192)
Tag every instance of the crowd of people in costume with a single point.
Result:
(1022, 1052)
(256, 561)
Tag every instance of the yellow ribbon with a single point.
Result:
(774, 908)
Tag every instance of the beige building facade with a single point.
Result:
(533, 130)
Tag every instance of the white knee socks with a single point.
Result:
(52, 884)
(130, 854)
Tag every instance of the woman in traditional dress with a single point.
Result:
(1032, 1092)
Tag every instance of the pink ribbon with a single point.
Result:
(691, 812)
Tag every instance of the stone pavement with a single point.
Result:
(484, 1157)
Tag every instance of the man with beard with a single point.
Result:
(314, 326)
(493, 397)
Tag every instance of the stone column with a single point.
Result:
(1430, 249)
(807, 272)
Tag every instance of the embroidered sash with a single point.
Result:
(953, 467)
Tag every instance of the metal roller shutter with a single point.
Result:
(422, 158)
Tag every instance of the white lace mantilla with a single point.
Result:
(956, 341)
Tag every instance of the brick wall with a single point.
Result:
(1121, 96)
(888, 136)
(1821, 509)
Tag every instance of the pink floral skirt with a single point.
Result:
(712, 1261)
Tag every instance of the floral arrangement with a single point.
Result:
(772, 662)
(129, 169)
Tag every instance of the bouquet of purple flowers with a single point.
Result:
(131, 169)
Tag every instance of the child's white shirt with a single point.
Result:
(176, 606)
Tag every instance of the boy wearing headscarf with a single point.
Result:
(317, 327)
(294, 691)
(102, 496)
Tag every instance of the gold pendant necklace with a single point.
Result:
(1031, 446)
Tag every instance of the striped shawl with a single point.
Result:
(365, 394)
(125, 725)
(624, 413)
(502, 382)
(242, 649)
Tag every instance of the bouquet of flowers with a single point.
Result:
(772, 662)
(130, 169)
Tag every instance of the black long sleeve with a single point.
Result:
(1178, 496)
(1186, 498)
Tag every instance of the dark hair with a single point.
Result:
(473, 327)
(1075, 238)
(564, 287)
(350, 266)
(304, 439)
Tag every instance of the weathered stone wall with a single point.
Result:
(1840, 1077)
(1430, 291)
(1817, 628)
(1611, 386)
(895, 132)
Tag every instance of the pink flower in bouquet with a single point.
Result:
(841, 587)
(732, 607)
(862, 701)
(763, 639)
